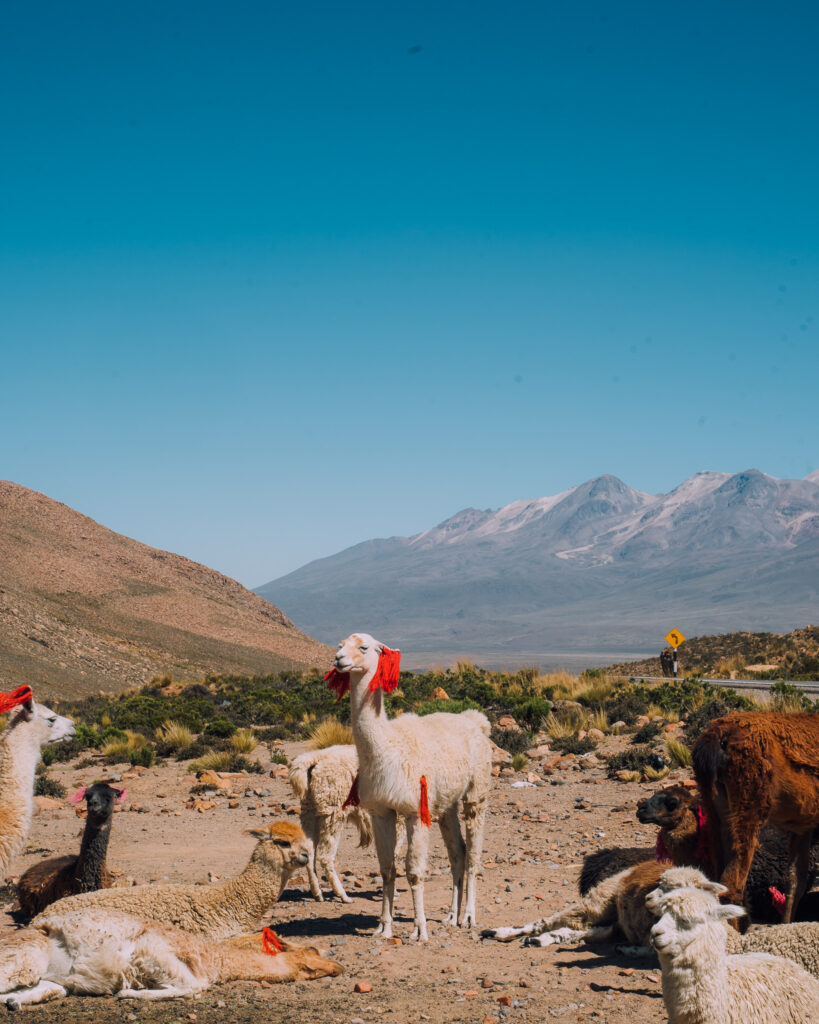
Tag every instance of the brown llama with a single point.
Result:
(753, 768)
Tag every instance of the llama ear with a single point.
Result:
(727, 911)
(77, 797)
(715, 887)
(257, 833)
(121, 797)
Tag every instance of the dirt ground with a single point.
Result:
(535, 838)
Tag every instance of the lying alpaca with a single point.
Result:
(57, 877)
(31, 726)
(684, 840)
(420, 768)
(702, 985)
(617, 903)
(218, 911)
(322, 780)
(107, 952)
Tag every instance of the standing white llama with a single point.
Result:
(420, 768)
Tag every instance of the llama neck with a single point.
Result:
(251, 893)
(19, 754)
(681, 842)
(368, 718)
(695, 981)
(90, 871)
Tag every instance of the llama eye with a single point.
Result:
(363, 648)
(281, 842)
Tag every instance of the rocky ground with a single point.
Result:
(536, 836)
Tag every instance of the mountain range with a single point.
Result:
(83, 608)
(601, 569)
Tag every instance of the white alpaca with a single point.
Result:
(322, 780)
(108, 952)
(420, 768)
(703, 985)
(31, 727)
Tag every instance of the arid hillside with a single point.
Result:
(83, 608)
(793, 655)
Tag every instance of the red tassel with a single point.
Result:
(702, 854)
(271, 943)
(338, 681)
(388, 672)
(14, 699)
(778, 899)
(353, 799)
(661, 850)
(423, 805)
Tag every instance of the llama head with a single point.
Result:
(681, 878)
(100, 799)
(282, 847)
(667, 807)
(39, 722)
(684, 915)
(361, 654)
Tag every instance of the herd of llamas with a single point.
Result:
(743, 848)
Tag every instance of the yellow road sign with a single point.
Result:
(674, 638)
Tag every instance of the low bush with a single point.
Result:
(243, 741)
(647, 733)
(46, 786)
(573, 745)
(519, 762)
(329, 732)
(511, 741)
(635, 759)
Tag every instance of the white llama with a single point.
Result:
(420, 768)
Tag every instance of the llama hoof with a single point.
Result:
(345, 898)
(13, 1004)
(539, 940)
(383, 931)
(419, 935)
(451, 920)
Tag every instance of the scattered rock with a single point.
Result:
(362, 986)
(439, 693)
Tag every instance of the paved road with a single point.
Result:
(741, 684)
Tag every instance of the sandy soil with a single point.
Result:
(535, 839)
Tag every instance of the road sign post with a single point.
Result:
(674, 639)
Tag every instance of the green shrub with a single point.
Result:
(519, 762)
(144, 756)
(220, 727)
(510, 741)
(647, 733)
(573, 745)
(787, 698)
(636, 759)
(455, 707)
(45, 786)
(277, 757)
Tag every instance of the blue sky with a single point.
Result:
(277, 279)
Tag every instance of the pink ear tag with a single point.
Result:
(78, 796)
(121, 797)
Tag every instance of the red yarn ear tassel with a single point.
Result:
(15, 698)
(423, 805)
(338, 681)
(271, 943)
(353, 800)
(388, 672)
(778, 899)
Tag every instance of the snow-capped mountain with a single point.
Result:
(598, 566)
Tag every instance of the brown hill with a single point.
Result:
(83, 608)
(793, 655)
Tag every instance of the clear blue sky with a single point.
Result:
(278, 278)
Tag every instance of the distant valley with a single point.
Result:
(600, 571)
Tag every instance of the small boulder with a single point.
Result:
(439, 693)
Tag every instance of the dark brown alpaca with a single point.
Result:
(753, 768)
(50, 880)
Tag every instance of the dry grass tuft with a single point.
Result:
(678, 752)
(121, 750)
(174, 735)
(243, 741)
(215, 761)
(328, 733)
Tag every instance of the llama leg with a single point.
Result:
(39, 993)
(742, 841)
(456, 851)
(310, 824)
(384, 833)
(166, 992)
(416, 863)
(474, 817)
(799, 853)
(328, 848)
